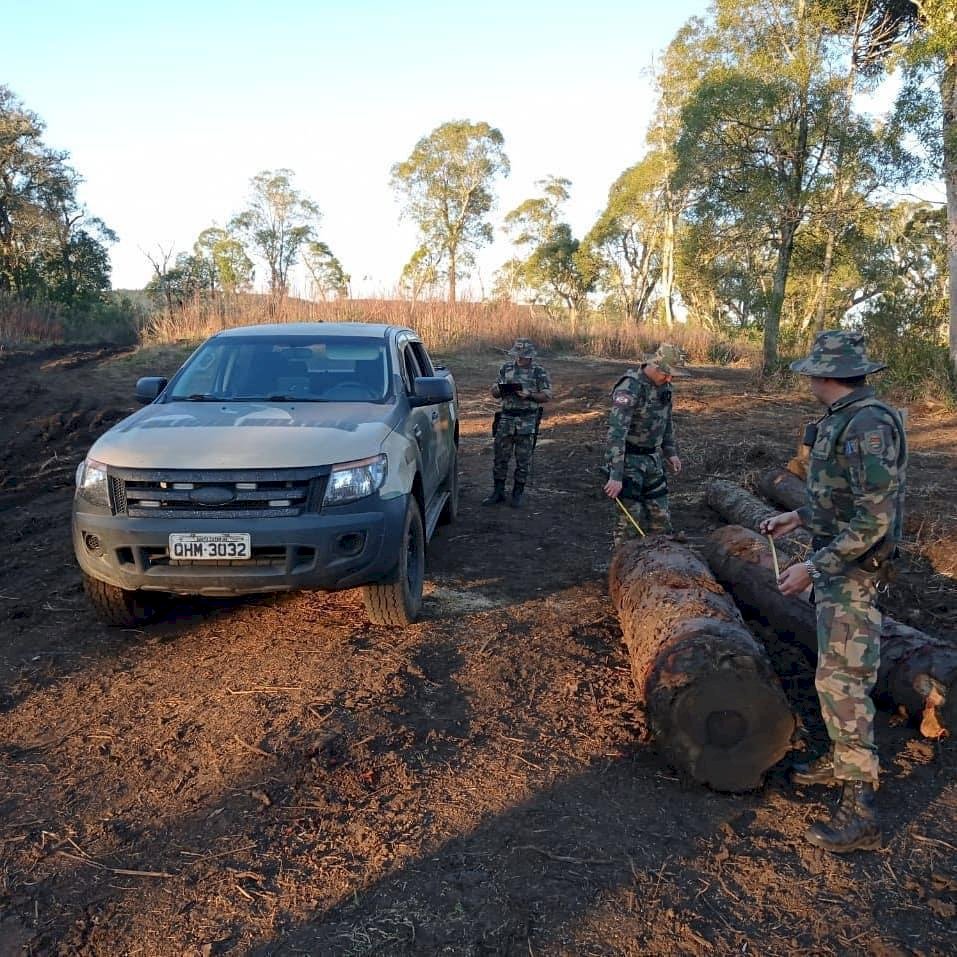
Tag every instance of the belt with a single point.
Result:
(514, 412)
(640, 449)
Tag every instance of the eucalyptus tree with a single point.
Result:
(328, 277)
(278, 222)
(230, 268)
(551, 268)
(446, 188)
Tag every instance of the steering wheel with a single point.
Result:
(350, 390)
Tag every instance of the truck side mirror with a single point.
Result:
(431, 390)
(149, 387)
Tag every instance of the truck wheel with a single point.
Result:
(116, 606)
(398, 602)
(450, 510)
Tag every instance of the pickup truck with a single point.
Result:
(314, 456)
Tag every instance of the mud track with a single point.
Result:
(278, 777)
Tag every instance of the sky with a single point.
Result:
(168, 110)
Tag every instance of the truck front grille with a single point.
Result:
(232, 493)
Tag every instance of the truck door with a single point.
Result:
(420, 426)
(440, 417)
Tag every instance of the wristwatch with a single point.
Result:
(812, 571)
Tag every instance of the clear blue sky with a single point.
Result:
(168, 109)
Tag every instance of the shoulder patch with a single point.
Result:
(873, 442)
(622, 398)
(850, 448)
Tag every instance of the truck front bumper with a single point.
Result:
(340, 547)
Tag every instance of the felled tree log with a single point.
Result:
(782, 487)
(712, 700)
(737, 506)
(918, 672)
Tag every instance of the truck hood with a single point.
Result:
(245, 435)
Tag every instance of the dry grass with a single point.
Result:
(22, 322)
(458, 328)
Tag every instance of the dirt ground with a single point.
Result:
(275, 776)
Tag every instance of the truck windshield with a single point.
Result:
(285, 369)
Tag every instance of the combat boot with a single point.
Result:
(853, 825)
(818, 771)
(497, 496)
(518, 493)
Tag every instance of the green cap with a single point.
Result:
(670, 360)
(837, 354)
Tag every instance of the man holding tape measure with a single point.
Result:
(641, 440)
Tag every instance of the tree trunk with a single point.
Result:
(948, 95)
(737, 506)
(772, 321)
(917, 671)
(668, 261)
(712, 700)
(452, 268)
(783, 488)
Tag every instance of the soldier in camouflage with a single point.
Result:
(516, 424)
(855, 491)
(640, 440)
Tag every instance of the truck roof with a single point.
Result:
(371, 330)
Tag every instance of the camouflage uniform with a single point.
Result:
(640, 437)
(516, 424)
(855, 488)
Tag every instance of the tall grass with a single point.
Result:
(459, 328)
(22, 321)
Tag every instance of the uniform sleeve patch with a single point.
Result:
(850, 448)
(873, 442)
(622, 399)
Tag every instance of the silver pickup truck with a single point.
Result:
(318, 456)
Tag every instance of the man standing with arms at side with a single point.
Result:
(641, 439)
(523, 386)
(855, 491)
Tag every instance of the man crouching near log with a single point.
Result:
(855, 497)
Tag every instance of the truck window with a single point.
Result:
(410, 368)
(422, 357)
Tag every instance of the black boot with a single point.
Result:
(853, 825)
(518, 493)
(818, 771)
(497, 496)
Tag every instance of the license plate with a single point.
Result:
(209, 546)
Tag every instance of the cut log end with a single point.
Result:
(730, 728)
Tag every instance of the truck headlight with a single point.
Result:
(354, 480)
(92, 484)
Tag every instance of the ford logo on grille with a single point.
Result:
(212, 495)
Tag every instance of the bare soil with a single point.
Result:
(276, 776)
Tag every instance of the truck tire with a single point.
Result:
(450, 511)
(398, 602)
(114, 606)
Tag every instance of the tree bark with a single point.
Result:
(917, 673)
(712, 700)
(948, 95)
(783, 488)
(737, 506)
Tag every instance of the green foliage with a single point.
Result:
(446, 189)
(329, 279)
(51, 249)
(226, 263)
(277, 224)
(552, 269)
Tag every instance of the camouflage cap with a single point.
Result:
(837, 354)
(670, 360)
(523, 349)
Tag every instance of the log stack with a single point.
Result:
(712, 700)
(918, 672)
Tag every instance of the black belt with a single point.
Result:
(519, 411)
(640, 449)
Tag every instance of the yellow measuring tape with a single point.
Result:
(774, 556)
(630, 517)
